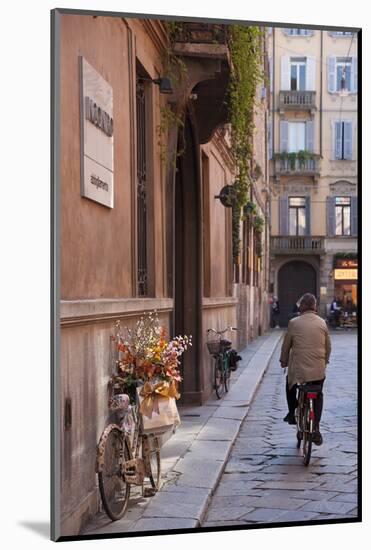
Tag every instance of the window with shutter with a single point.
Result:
(342, 216)
(298, 32)
(284, 136)
(298, 215)
(354, 75)
(330, 216)
(311, 73)
(296, 136)
(298, 70)
(307, 216)
(343, 140)
(284, 213)
(343, 74)
(354, 216)
(309, 136)
(347, 131)
(285, 72)
(331, 62)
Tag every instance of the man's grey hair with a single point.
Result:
(308, 302)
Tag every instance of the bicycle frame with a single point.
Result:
(305, 419)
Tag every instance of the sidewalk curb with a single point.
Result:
(197, 481)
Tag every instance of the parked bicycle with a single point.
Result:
(221, 350)
(305, 418)
(126, 456)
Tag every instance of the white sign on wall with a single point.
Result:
(96, 109)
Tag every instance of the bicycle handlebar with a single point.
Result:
(221, 331)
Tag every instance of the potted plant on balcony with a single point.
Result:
(303, 157)
(292, 160)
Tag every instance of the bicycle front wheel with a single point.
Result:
(154, 462)
(114, 491)
(218, 376)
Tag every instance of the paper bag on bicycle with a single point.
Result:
(158, 407)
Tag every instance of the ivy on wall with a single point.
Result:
(245, 45)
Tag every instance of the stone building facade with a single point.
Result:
(313, 176)
(162, 241)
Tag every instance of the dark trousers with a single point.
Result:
(292, 400)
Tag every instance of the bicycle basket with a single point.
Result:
(214, 347)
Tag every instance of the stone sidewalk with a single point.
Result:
(194, 458)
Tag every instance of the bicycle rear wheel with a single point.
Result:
(226, 376)
(114, 491)
(307, 437)
(218, 376)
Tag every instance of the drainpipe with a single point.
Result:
(320, 98)
(274, 89)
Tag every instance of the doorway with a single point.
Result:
(294, 279)
(187, 256)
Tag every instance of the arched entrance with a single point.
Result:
(294, 279)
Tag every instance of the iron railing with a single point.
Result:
(297, 244)
(297, 99)
(309, 166)
(201, 33)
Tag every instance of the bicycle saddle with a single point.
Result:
(313, 388)
(226, 343)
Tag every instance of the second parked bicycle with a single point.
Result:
(221, 349)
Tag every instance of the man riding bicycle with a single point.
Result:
(306, 351)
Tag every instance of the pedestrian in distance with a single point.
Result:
(306, 351)
(336, 311)
(275, 312)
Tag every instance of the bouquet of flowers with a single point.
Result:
(146, 359)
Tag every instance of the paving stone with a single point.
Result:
(328, 507)
(296, 515)
(263, 515)
(164, 524)
(346, 497)
(173, 505)
(228, 514)
(282, 503)
(294, 485)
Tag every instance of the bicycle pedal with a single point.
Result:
(149, 492)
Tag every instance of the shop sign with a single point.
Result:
(347, 263)
(346, 274)
(96, 109)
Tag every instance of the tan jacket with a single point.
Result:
(306, 348)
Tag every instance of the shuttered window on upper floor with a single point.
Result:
(298, 73)
(342, 74)
(342, 136)
(296, 136)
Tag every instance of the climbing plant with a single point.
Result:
(176, 70)
(246, 73)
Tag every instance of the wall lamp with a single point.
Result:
(164, 83)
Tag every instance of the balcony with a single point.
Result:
(297, 100)
(204, 40)
(201, 33)
(295, 166)
(297, 245)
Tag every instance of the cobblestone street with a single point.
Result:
(265, 480)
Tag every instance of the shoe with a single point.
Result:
(317, 438)
(290, 418)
